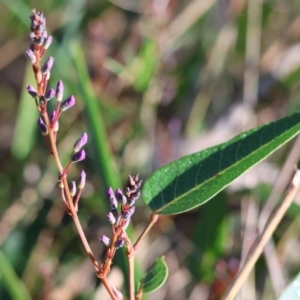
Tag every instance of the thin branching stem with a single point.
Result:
(154, 218)
(261, 240)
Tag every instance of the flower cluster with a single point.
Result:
(121, 209)
(48, 123)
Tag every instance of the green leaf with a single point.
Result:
(155, 277)
(13, 284)
(292, 291)
(194, 179)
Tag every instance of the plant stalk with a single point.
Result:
(261, 240)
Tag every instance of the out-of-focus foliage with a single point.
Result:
(170, 78)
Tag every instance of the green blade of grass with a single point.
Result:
(94, 116)
(98, 132)
(25, 129)
(13, 284)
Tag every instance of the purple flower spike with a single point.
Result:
(119, 243)
(31, 56)
(59, 91)
(81, 180)
(50, 94)
(68, 103)
(111, 218)
(48, 65)
(78, 156)
(112, 198)
(127, 214)
(80, 142)
(105, 240)
(47, 42)
(120, 197)
(32, 91)
(42, 126)
(56, 124)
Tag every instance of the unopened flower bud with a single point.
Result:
(127, 214)
(32, 91)
(120, 197)
(66, 104)
(48, 65)
(78, 156)
(49, 94)
(72, 188)
(55, 126)
(42, 126)
(111, 218)
(47, 42)
(81, 180)
(59, 93)
(105, 240)
(119, 243)
(80, 142)
(31, 56)
(112, 198)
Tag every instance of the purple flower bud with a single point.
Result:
(72, 188)
(111, 218)
(48, 65)
(50, 94)
(78, 156)
(80, 142)
(66, 104)
(134, 197)
(32, 91)
(112, 198)
(31, 56)
(42, 126)
(81, 180)
(120, 197)
(119, 243)
(47, 42)
(32, 36)
(127, 214)
(55, 126)
(105, 240)
(59, 91)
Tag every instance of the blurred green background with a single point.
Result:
(154, 80)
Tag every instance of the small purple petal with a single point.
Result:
(66, 104)
(112, 198)
(42, 126)
(105, 240)
(31, 56)
(32, 91)
(50, 94)
(47, 42)
(127, 214)
(48, 65)
(59, 91)
(81, 180)
(111, 218)
(80, 142)
(120, 197)
(78, 156)
(119, 243)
